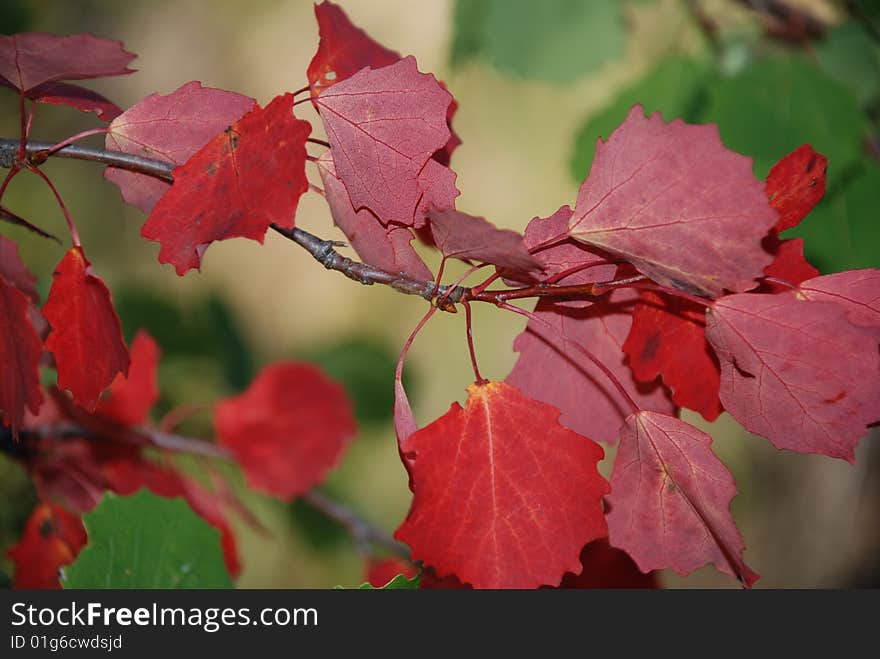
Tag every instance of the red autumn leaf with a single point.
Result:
(383, 126)
(483, 506)
(789, 264)
(856, 291)
(20, 352)
(385, 247)
(32, 59)
(796, 371)
(288, 429)
(670, 500)
(52, 538)
(668, 339)
(130, 398)
(437, 189)
(671, 200)
(380, 572)
(590, 403)
(795, 184)
(226, 190)
(63, 93)
(470, 238)
(566, 260)
(86, 337)
(430, 581)
(14, 271)
(608, 567)
(343, 50)
(171, 128)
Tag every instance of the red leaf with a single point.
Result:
(242, 181)
(856, 291)
(131, 398)
(796, 371)
(551, 370)
(656, 187)
(668, 338)
(31, 59)
(171, 128)
(62, 93)
(608, 567)
(437, 187)
(547, 239)
(380, 572)
(86, 338)
(430, 581)
(670, 501)
(14, 271)
(287, 430)
(796, 184)
(466, 237)
(20, 352)
(789, 264)
(388, 247)
(343, 50)
(484, 507)
(52, 538)
(383, 126)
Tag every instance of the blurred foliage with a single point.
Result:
(542, 40)
(365, 367)
(319, 531)
(14, 16)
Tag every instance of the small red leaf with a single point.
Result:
(789, 264)
(171, 128)
(343, 50)
(656, 187)
(670, 501)
(466, 237)
(20, 352)
(383, 126)
(130, 398)
(63, 93)
(668, 338)
(14, 271)
(608, 567)
(796, 371)
(552, 370)
(387, 247)
(247, 177)
(288, 429)
(437, 187)
(484, 507)
(31, 59)
(86, 337)
(52, 538)
(796, 184)
(856, 291)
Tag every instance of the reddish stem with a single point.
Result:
(470, 342)
(42, 155)
(301, 90)
(74, 235)
(613, 378)
(699, 301)
(8, 178)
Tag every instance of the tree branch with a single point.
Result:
(321, 250)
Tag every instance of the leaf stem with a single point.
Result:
(470, 342)
(74, 234)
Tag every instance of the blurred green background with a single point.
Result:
(536, 84)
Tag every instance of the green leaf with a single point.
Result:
(675, 89)
(145, 541)
(400, 582)
(842, 232)
(780, 103)
(849, 55)
(554, 40)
